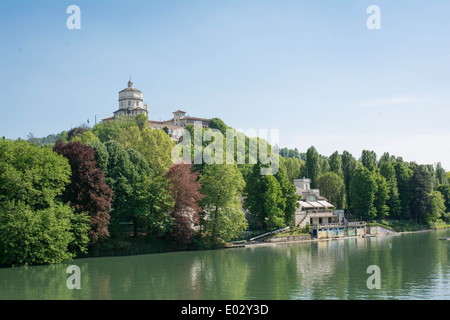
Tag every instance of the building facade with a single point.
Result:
(325, 221)
(131, 103)
(314, 209)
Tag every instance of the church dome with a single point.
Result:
(130, 87)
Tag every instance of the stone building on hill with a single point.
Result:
(131, 103)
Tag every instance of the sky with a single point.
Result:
(311, 69)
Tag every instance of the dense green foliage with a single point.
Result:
(271, 199)
(35, 226)
(87, 191)
(107, 188)
(223, 218)
(331, 186)
(380, 188)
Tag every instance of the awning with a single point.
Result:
(325, 204)
(315, 204)
(304, 204)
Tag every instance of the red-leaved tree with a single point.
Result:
(185, 190)
(87, 191)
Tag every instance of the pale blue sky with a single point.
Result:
(311, 69)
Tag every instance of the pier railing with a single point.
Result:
(338, 225)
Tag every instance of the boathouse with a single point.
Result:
(313, 208)
(325, 221)
(337, 230)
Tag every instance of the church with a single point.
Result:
(131, 103)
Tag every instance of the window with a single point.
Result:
(129, 103)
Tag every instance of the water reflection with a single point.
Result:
(413, 266)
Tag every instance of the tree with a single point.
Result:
(331, 186)
(324, 165)
(216, 123)
(293, 167)
(62, 137)
(349, 165)
(31, 174)
(43, 236)
(312, 165)
(101, 155)
(444, 189)
(385, 157)
(290, 153)
(87, 191)
(86, 137)
(271, 200)
(222, 186)
(362, 193)
(118, 172)
(35, 227)
(141, 120)
(140, 196)
(151, 200)
(421, 187)
(185, 191)
(335, 163)
(381, 195)
(274, 204)
(441, 176)
(404, 176)
(436, 207)
(369, 159)
(288, 191)
(155, 145)
(387, 170)
(31, 138)
(254, 192)
(107, 131)
(76, 132)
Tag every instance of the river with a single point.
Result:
(411, 266)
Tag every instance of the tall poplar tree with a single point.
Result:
(387, 170)
(362, 192)
(422, 187)
(349, 165)
(312, 166)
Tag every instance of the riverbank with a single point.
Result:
(285, 239)
(141, 245)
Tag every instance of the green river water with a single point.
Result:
(412, 266)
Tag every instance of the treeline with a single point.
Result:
(373, 188)
(97, 190)
(114, 187)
